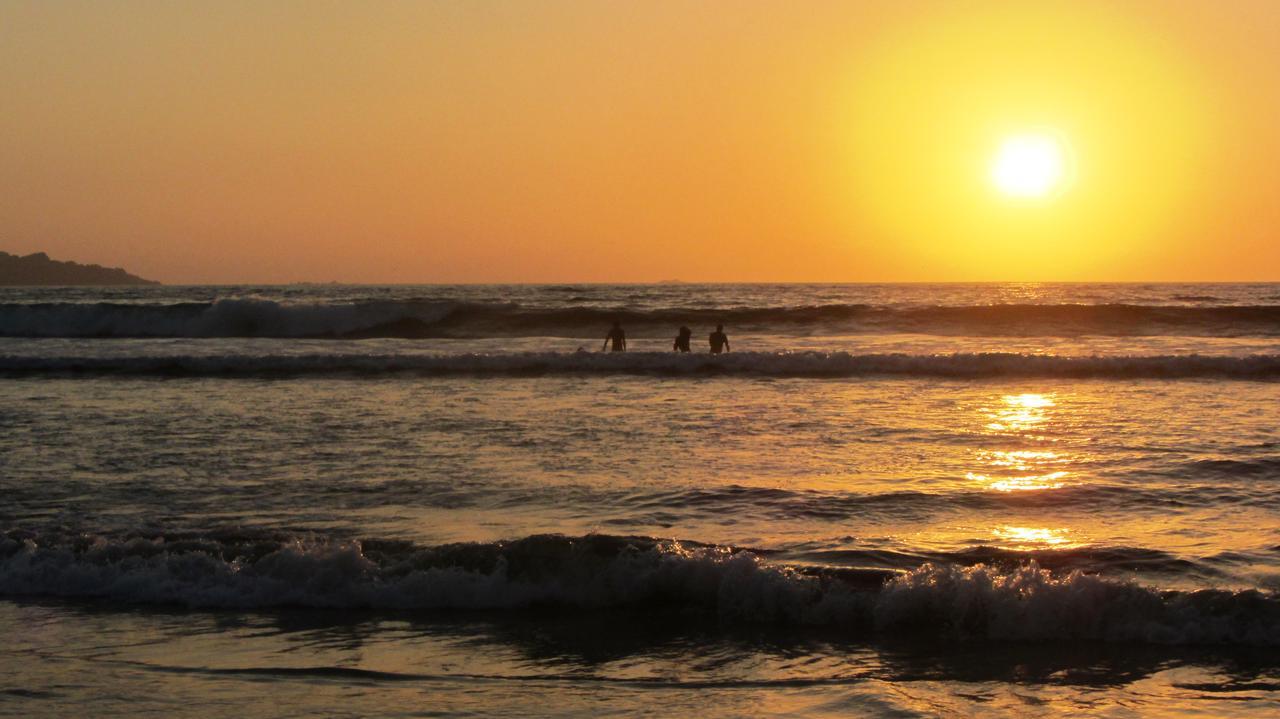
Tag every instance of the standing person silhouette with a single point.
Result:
(682, 340)
(617, 337)
(719, 341)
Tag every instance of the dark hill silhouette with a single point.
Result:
(38, 269)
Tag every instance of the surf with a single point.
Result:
(1022, 602)
(452, 318)
(812, 364)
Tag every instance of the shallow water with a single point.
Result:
(840, 517)
(272, 663)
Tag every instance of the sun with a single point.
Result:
(1031, 165)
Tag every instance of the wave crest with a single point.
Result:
(599, 571)
(768, 364)
(254, 317)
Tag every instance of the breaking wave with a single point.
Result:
(766, 364)
(1017, 601)
(250, 317)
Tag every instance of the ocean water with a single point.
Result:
(887, 500)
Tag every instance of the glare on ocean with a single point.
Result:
(1020, 412)
(1033, 537)
(1029, 466)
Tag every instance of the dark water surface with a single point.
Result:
(910, 500)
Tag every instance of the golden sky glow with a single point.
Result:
(600, 141)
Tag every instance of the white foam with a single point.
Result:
(951, 602)
(784, 364)
(260, 317)
(230, 317)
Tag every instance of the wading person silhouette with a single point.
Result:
(719, 341)
(617, 337)
(682, 340)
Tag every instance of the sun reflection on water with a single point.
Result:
(1021, 470)
(1020, 412)
(1026, 419)
(1029, 400)
(1020, 460)
(1033, 538)
(1017, 470)
(1052, 480)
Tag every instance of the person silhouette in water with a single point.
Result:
(719, 342)
(682, 340)
(617, 337)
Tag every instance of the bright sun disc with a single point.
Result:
(1028, 165)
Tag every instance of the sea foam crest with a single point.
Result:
(941, 601)
(257, 317)
(779, 364)
(228, 317)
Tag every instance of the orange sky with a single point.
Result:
(625, 141)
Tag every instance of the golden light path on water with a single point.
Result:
(1030, 538)
(1026, 417)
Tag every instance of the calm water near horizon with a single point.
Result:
(888, 500)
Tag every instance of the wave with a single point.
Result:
(625, 509)
(763, 364)
(791, 504)
(222, 318)
(249, 317)
(1085, 559)
(1256, 467)
(1021, 601)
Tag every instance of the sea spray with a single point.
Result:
(766, 364)
(948, 602)
(453, 318)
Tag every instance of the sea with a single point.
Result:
(891, 500)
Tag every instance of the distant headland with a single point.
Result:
(38, 269)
